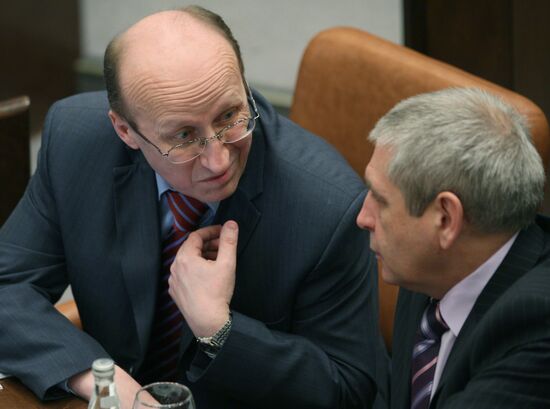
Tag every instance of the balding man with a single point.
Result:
(207, 240)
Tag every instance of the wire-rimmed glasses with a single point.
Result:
(190, 145)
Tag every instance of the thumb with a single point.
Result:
(227, 250)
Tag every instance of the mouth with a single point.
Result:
(220, 177)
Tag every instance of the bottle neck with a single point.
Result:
(104, 387)
(105, 393)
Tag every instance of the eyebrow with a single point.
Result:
(377, 196)
(177, 124)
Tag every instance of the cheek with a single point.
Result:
(177, 176)
(243, 150)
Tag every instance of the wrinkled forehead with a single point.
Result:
(183, 65)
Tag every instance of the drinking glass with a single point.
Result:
(164, 395)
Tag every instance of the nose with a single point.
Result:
(216, 156)
(365, 218)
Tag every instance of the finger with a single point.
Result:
(211, 245)
(194, 243)
(227, 250)
(210, 255)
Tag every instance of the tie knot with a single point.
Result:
(187, 210)
(433, 325)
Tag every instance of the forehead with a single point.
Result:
(376, 171)
(178, 65)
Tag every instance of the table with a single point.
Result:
(15, 395)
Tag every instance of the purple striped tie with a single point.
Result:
(425, 353)
(163, 352)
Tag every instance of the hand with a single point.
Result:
(210, 249)
(202, 277)
(83, 385)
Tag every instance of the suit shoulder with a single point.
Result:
(298, 154)
(86, 100)
(294, 152)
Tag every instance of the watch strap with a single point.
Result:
(211, 345)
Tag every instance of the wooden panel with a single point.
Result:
(14, 395)
(39, 44)
(14, 152)
(531, 45)
(474, 35)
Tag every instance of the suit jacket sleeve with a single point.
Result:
(327, 359)
(33, 275)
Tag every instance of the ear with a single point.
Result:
(122, 129)
(450, 218)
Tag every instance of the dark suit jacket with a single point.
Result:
(501, 357)
(305, 303)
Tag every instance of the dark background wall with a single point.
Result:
(39, 43)
(504, 41)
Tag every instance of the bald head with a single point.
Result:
(177, 47)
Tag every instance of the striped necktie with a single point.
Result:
(425, 354)
(164, 346)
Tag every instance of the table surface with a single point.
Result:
(15, 395)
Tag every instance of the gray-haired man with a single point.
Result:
(455, 183)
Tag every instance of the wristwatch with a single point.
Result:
(212, 345)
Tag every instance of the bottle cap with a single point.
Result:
(103, 367)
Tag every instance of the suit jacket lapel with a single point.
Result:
(241, 206)
(138, 236)
(522, 257)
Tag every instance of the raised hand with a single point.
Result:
(202, 277)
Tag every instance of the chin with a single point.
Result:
(217, 195)
(388, 276)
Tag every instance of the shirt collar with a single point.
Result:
(456, 305)
(163, 186)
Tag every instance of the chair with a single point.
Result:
(70, 311)
(349, 78)
(14, 154)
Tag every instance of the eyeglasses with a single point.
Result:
(188, 145)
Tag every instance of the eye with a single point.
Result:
(228, 116)
(185, 134)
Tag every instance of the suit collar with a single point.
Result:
(458, 302)
(522, 257)
(242, 206)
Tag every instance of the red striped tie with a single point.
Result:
(425, 354)
(163, 352)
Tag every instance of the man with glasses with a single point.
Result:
(266, 295)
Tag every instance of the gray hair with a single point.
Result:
(468, 142)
